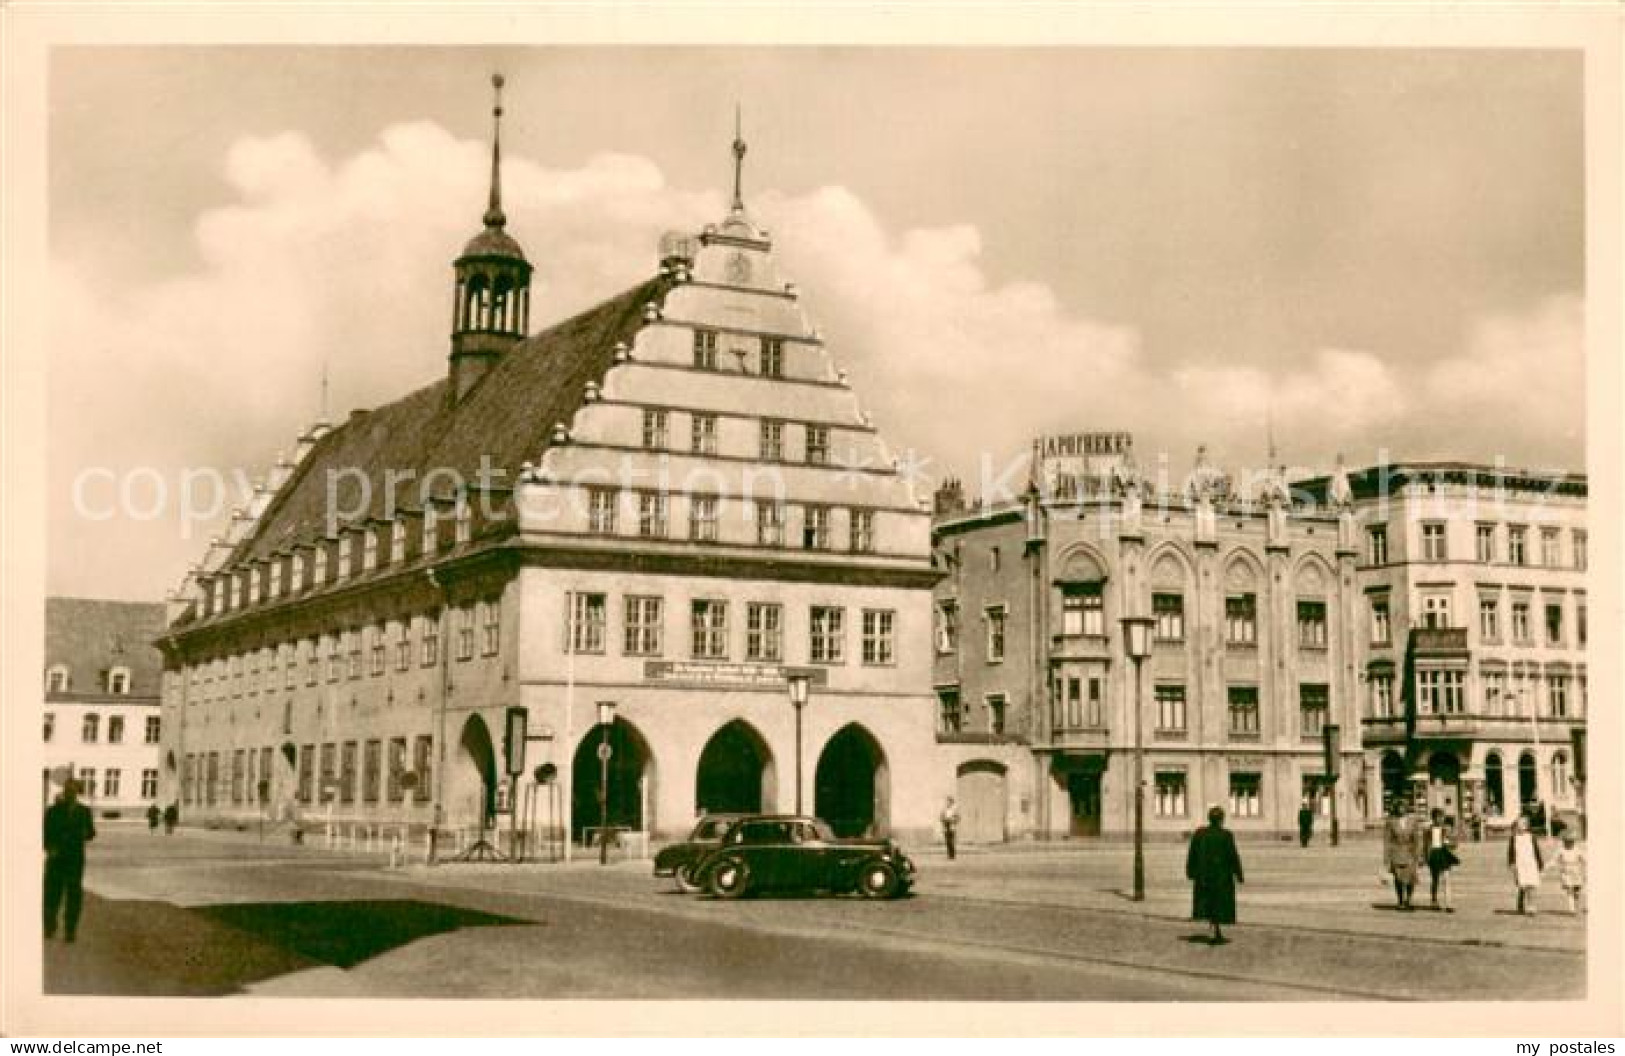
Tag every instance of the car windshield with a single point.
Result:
(824, 831)
(710, 828)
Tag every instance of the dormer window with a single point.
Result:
(464, 522)
(369, 550)
(346, 544)
(242, 589)
(56, 679)
(431, 529)
(296, 572)
(397, 541)
(276, 579)
(256, 584)
(118, 681)
(319, 567)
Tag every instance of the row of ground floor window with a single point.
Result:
(106, 788)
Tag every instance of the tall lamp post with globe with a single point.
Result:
(798, 683)
(1137, 644)
(606, 719)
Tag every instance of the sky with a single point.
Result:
(1359, 252)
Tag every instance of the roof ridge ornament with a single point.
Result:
(739, 149)
(494, 217)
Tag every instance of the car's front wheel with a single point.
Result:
(730, 878)
(878, 880)
(687, 882)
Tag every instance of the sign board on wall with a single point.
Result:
(1077, 465)
(727, 676)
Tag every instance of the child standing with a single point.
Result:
(1524, 859)
(1571, 871)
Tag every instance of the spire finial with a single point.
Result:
(493, 213)
(739, 162)
(323, 419)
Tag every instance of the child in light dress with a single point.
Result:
(1571, 872)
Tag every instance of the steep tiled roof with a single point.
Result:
(92, 637)
(507, 419)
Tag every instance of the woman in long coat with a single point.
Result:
(1214, 868)
(1402, 851)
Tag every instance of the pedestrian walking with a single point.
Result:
(950, 826)
(1571, 872)
(1440, 841)
(172, 816)
(68, 827)
(1213, 866)
(153, 817)
(1524, 859)
(1306, 824)
(1401, 852)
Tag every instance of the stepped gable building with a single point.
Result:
(103, 681)
(1255, 650)
(1473, 615)
(669, 504)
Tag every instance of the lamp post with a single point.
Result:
(798, 684)
(1137, 644)
(1332, 733)
(1577, 741)
(606, 719)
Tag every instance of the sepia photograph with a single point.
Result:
(915, 520)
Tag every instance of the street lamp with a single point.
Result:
(606, 719)
(1577, 741)
(1333, 746)
(1137, 643)
(798, 684)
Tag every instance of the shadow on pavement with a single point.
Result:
(344, 934)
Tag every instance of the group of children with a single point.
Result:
(1407, 846)
(1528, 866)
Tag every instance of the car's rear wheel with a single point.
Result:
(878, 880)
(730, 878)
(687, 883)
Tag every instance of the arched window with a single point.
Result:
(118, 681)
(56, 679)
(1560, 775)
(1494, 793)
(91, 729)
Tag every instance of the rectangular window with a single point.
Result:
(947, 627)
(1580, 624)
(290, 664)
(1246, 799)
(1578, 539)
(1241, 619)
(879, 647)
(1083, 610)
(815, 527)
(764, 632)
(346, 546)
(431, 529)
(817, 445)
(1486, 544)
(950, 714)
(154, 730)
(296, 573)
(1074, 702)
(115, 729)
(1382, 623)
(1517, 545)
(705, 349)
(1554, 627)
(1170, 708)
(651, 515)
(1433, 542)
(1169, 612)
(347, 753)
(587, 617)
(1313, 704)
(377, 649)
(1311, 624)
(1382, 695)
(1495, 688)
(1520, 622)
(403, 645)
(1095, 710)
(353, 637)
(1557, 696)
(1440, 691)
(703, 434)
(654, 430)
(602, 504)
(110, 782)
(1243, 701)
(490, 627)
(276, 579)
(827, 644)
(995, 714)
(708, 620)
(86, 776)
(1551, 548)
(1376, 539)
(89, 729)
(423, 768)
(307, 773)
(769, 523)
(1436, 611)
(328, 790)
(371, 768)
(645, 617)
(465, 632)
(702, 518)
(772, 440)
(1489, 619)
(149, 784)
(1169, 786)
(861, 531)
(397, 767)
(397, 540)
(993, 616)
(429, 635)
(772, 357)
(369, 550)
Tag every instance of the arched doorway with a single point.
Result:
(980, 790)
(1393, 779)
(851, 787)
(735, 774)
(629, 786)
(1528, 787)
(474, 791)
(1444, 783)
(1494, 790)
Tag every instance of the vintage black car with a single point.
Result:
(791, 853)
(678, 860)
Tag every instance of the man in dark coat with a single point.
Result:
(68, 827)
(1214, 868)
(1306, 824)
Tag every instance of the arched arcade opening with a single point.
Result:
(852, 785)
(735, 774)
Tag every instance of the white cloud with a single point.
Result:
(347, 264)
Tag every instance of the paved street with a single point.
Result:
(216, 913)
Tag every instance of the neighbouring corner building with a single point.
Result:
(1473, 610)
(670, 502)
(102, 723)
(1255, 650)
